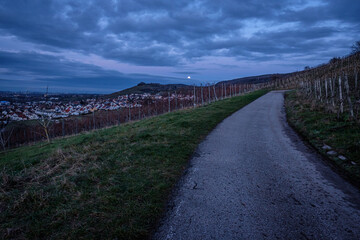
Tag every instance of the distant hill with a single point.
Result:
(254, 79)
(152, 88)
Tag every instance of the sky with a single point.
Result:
(102, 46)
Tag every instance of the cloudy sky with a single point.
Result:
(102, 46)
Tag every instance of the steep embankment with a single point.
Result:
(110, 183)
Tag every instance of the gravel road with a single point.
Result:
(253, 178)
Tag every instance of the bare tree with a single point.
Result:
(44, 122)
(5, 134)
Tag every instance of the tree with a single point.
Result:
(5, 133)
(44, 122)
(355, 48)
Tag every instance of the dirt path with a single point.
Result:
(253, 178)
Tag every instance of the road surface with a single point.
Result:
(253, 178)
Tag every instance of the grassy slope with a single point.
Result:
(104, 184)
(320, 127)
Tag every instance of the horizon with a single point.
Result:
(47, 88)
(97, 47)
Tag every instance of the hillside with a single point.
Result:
(325, 110)
(107, 184)
(152, 88)
(254, 79)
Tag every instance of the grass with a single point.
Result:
(107, 184)
(320, 127)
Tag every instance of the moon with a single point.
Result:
(188, 77)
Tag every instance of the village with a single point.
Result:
(51, 107)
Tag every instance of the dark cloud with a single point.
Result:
(177, 33)
(185, 72)
(33, 71)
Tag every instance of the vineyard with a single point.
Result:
(325, 110)
(45, 129)
(333, 87)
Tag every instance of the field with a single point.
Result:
(110, 183)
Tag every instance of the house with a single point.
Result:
(4, 103)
